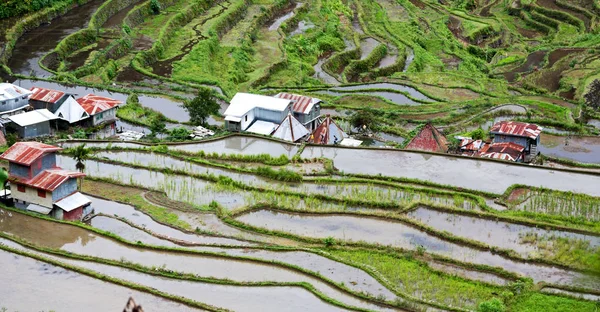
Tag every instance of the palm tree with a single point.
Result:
(80, 155)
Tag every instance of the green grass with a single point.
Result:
(417, 279)
(535, 302)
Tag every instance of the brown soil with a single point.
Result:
(551, 4)
(558, 54)
(486, 10)
(418, 4)
(533, 62)
(517, 195)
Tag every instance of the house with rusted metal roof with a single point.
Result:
(62, 105)
(38, 185)
(521, 133)
(101, 109)
(429, 139)
(305, 109)
(13, 98)
(508, 151)
(328, 132)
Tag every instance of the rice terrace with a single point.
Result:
(300, 155)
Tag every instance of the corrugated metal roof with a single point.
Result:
(515, 128)
(290, 129)
(49, 179)
(505, 150)
(10, 91)
(241, 103)
(301, 104)
(46, 95)
(327, 132)
(33, 117)
(73, 201)
(467, 144)
(25, 153)
(94, 104)
(429, 139)
(38, 209)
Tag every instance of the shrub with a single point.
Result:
(329, 241)
(155, 6)
(493, 305)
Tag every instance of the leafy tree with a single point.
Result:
(592, 98)
(179, 134)
(202, 106)
(80, 155)
(364, 120)
(478, 134)
(155, 7)
(158, 125)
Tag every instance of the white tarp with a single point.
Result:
(71, 111)
(262, 127)
(291, 130)
(350, 142)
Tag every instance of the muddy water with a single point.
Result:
(475, 174)
(178, 188)
(579, 149)
(356, 279)
(206, 266)
(396, 98)
(534, 61)
(116, 20)
(414, 93)
(143, 220)
(34, 44)
(303, 26)
(550, 290)
(410, 57)
(367, 46)
(70, 291)
(229, 145)
(277, 23)
(374, 231)
(493, 233)
(468, 274)
(322, 74)
(391, 137)
(594, 122)
(170, 108)
(390, 58)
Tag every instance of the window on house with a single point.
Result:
(246, 118)
(21, 188)
(41, 193)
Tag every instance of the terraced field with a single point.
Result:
(246, 223)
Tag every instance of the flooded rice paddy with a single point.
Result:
(388, 233)
(79, 241)
(69, 291)
(493, 233)
(414, 93)
(396, 98)
(489, 176)
(579, 149)
(33, 45)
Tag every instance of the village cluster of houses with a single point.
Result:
(511, 141)
(37, 112)
(284, 116)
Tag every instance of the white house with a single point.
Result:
(61, 104)
(256, 113)
(13, 98)
(306, 109)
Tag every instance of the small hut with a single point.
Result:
(429, 139)
(328, 132)
(291, 130)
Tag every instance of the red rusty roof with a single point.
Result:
(327, 132)
(429, 139)
(515, 128)
(46, 95)
(49, 179)
(505, 150)
(302, 104)
(25, 153)
(470, 144)
(94, 104)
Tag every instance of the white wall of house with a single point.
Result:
(247, 119)
(31, 196)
